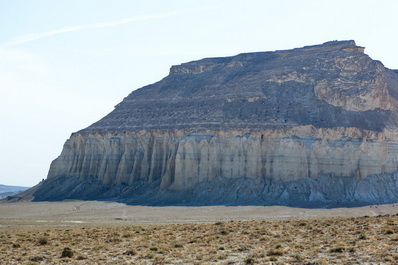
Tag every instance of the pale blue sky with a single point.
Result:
(65, 64)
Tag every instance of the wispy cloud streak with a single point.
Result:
(40, 35)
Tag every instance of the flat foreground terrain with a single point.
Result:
(112, 233)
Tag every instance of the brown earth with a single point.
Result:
(112, 233)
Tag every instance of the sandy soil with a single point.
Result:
(75, 212)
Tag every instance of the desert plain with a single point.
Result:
(92, 232)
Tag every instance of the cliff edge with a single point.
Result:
(313, 126)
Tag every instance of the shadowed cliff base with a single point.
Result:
(325, 192)
(310, 127)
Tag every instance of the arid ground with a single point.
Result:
(79, 232)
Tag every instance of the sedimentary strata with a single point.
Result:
(313, 126)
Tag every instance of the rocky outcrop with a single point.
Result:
(314, 126)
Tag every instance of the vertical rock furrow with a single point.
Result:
(182, 160)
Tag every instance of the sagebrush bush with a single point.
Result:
(67, 253)
(43, 241)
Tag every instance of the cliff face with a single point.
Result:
(314, 126)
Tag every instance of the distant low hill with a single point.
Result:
(6, 191)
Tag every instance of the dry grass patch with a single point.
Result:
(313, 241)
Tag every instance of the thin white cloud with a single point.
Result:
(39, 35)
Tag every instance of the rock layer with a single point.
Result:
(314, 126)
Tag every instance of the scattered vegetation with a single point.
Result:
(362, 240)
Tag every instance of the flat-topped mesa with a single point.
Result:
(329, 85)
(312, 126)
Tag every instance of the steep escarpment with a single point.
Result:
(313, 126)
